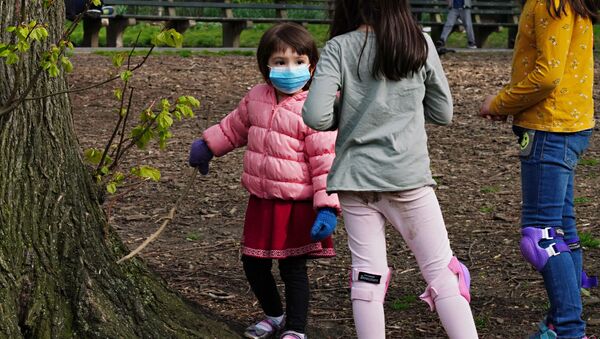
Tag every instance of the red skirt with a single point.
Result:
(281, 228)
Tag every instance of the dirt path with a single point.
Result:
(474, 161)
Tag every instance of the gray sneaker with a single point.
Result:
(266, 328)
(472, 46)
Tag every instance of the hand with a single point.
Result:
(200, 156)
(324, 224)
(485, 110)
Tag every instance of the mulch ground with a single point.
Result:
(474, 161)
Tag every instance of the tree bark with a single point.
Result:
(58, 271)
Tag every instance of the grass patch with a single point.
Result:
(588, 240)
(201, 35)
(180, 52)
(495, 40)
(438, 180)
(489, 189)
(582, 200)
(486, 209)
(481, 322)
(193, 236)
(588, 162)
(403, 303)
(209, 34)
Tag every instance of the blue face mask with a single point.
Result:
(289, 80)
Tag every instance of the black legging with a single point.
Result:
(294, 276)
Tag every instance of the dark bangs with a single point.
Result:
(281, 37)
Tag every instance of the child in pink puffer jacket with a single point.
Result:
(289, 217)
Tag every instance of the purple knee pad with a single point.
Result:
(586, 281)
(534, 253)
(464, 277)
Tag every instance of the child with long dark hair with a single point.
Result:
(550, 97)
(390, 82)
(285, 170)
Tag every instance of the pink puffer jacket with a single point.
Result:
(285, 159)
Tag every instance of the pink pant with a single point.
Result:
(416, 214)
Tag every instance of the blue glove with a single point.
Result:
(200, 156)
(324, 224)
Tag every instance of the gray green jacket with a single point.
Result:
(381, 143)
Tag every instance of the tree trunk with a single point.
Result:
(58, 271)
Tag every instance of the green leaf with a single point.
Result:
(185, 110)
(22, 33)
(164, 120)
(147, 115)
(146, 172)
(67, 65)
(39, 33)
(118, 93)
(97, 2)
(92, 155)
(189, 101)
(11, 28)
(4, 50)
(23, 46)
(53, 70)
(111, 187)
(12, 58)
(168, 37)
(104, 170)
(142, 136)
(32, 23)
(118, 177)
(163, 136)
(165, 104)
(126, 75)
(118, 59)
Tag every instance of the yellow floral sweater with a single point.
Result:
(552, 72)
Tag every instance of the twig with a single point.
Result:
(75, 90)
(469, 253)
(217, 294)
(120, 144)
(171, 216)
(115, 131)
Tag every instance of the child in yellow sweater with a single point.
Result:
(550, 97)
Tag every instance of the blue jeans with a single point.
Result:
(547, 176)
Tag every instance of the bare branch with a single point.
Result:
(75, 90)
(120, 144)
(115, 131)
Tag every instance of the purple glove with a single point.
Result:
(324, 224)
(200, 156)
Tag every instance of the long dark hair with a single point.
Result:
(582, 8)
(401, 46)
